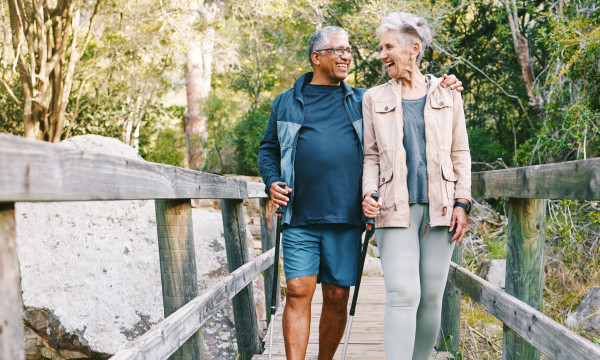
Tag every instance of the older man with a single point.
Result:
(313, 143)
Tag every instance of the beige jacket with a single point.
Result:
(447, 152)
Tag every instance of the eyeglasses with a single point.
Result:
(339, 51)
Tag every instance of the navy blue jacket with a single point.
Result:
(277, 151)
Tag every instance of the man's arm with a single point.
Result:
(269, 153)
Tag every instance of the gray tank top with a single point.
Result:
(414, 144)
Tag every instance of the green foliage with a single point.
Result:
(169, 148)
(162, 139)
(247, 135)
(221, 116)
(11, 115)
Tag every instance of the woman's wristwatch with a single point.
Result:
(461, 204)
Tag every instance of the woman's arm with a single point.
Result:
(371, 160)
(461, 161)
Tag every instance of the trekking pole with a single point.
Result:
(279, 213)
(365, 247)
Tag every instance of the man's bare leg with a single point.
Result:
(296, 315)
(333, 319)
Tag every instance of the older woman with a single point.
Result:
(417, 158)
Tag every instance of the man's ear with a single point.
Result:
(316, 58)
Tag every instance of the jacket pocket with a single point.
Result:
(385, 106)
(440, 102)
(449, 179)
(385, 178)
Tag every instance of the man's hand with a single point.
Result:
(459, 219)
(453, 82)
(370, 206)
(278, 195)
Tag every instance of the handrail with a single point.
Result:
(527, 189)
(164, 339)
(550, 337)
(38, 171)
(578, 180)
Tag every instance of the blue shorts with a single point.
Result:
(330, 251)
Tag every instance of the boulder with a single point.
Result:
(373, 251)
(372, 266)
(90, 273)
(494, 271)
(587, 316)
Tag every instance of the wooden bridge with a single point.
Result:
(38, 171)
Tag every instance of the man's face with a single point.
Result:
(330, 66)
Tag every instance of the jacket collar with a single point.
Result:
(434, 83)
(306, 79)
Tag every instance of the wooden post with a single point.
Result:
(236, 246)
(451, 312)
(524, 266)
(178, 266)
(11, 306)
(268, 227)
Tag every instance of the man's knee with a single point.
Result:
(301, 288)
(335, 295)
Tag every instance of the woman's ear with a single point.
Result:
(415, 49)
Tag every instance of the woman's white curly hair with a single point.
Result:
(409, 29)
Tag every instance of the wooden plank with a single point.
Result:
(449, 337)
(178, 272)
(554, 340)
(268, 227)
(524, 266)
(256, 190)
(33, 170)
(578, 180)
(11, 306)
(163, 339)
(236, 246)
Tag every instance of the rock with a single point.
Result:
(90, 273)
(101, 144)
(587, 316)
(373, 251)
(494, 271)
(372, 266)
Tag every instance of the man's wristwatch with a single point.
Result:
(461, 204)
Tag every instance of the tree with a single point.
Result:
(48, 42)
(198, 75)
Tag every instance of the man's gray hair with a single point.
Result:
(409, 28)
(320, 38)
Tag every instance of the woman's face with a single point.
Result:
(395, 57)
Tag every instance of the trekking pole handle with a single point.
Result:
(371, 221)
(280, 209)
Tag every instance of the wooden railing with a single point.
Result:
(526, 328)
(38, 171)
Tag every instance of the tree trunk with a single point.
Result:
(198, 74)
(47, 50)
(522, 49)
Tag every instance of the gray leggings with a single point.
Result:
(415, 268)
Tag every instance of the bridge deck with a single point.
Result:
(366, 338)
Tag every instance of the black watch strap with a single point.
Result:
(467, 207)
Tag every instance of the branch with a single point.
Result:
(92, 20)
(11, 93)
(460, 58)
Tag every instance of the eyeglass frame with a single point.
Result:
(344, 51)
